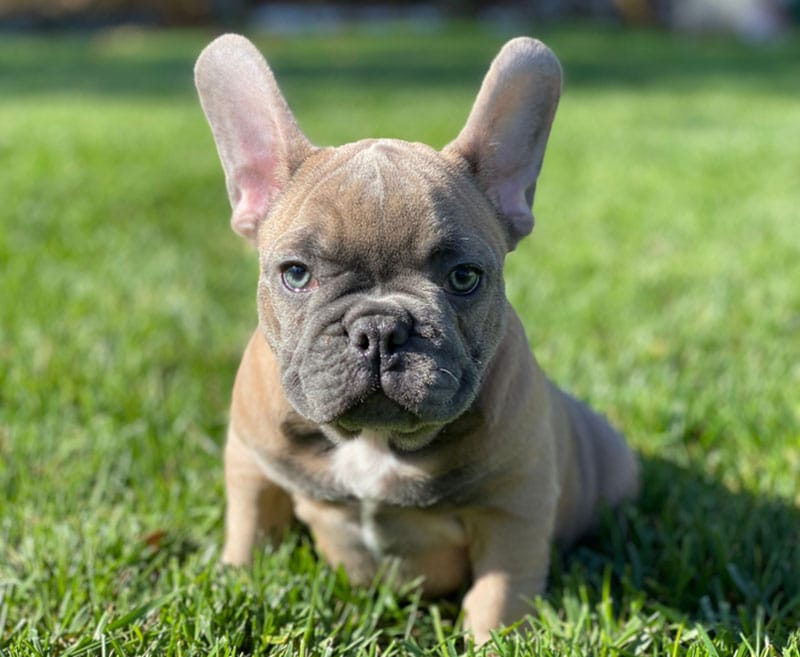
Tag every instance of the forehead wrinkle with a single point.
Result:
(375, 187)
(367, 215)
(387, 205)
(300, 239)
(454, 243)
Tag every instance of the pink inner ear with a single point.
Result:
(254, 187)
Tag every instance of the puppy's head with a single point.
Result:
(381, 287)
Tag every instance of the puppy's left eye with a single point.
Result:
(463, 280)
(296, 277)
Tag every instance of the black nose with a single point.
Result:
(378, 337)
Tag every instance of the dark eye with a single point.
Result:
(296, 277)
(463, 279)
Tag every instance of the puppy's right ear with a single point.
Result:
(257, 137)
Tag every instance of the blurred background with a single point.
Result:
(660, 284)
(753, 20)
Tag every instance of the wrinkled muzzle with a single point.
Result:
(381, 368)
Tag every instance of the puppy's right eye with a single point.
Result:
(297, 277)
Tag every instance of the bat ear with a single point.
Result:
(257, 137)
(506, 132)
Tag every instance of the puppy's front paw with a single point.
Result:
(236, 554)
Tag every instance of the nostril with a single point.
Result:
(377, 338)
(362, 341)
(398, 336)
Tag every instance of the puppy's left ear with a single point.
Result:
(506, 133)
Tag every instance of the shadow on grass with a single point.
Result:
(694, 550)
(134, 63)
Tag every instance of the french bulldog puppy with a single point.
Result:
(389, 399)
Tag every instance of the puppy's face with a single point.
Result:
(381, 289)
(381, 261)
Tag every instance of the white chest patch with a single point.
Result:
(367, 467)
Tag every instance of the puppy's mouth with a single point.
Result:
(377, 413)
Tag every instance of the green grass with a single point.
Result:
(662, 283)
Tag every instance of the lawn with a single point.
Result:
(661, 283)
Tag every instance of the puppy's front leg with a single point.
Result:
(510, 560)
(255, 505)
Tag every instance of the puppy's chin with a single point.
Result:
(380, 418)
(377, 411)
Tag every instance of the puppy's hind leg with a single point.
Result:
(256, 506)
(616, 465)
(598, 468)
